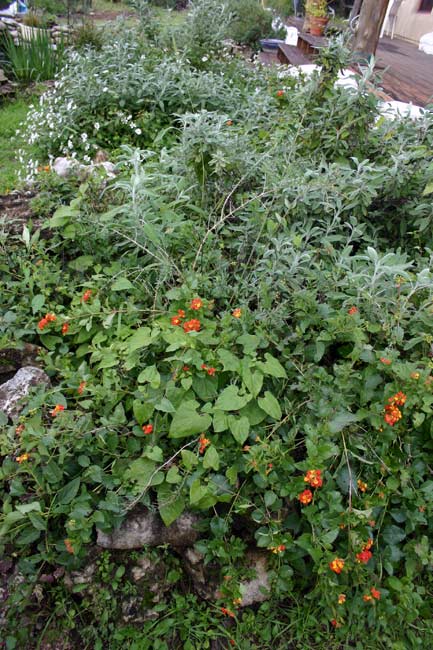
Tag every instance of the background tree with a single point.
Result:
(370, 23)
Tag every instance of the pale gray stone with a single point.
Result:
(144, 528)
(18, 388)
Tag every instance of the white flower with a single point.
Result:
(138, 131)
(84, 137)
(97, 126)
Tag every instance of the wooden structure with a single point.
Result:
(291, 55)
(308, 47)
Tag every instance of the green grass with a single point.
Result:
(11, 115)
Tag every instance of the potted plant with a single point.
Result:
(317, 13)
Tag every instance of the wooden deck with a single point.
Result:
(406, 73)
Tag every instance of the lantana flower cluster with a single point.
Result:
(314, 478)
(392, 412)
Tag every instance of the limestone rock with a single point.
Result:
(83, 577)
(17, 388)
(257, 589)
(206, 578)
(142, 527)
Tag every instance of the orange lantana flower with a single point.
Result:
(337, 565)
(56, 410)
(305, 497)
(314, 478)
(192, 325)
(196, 304)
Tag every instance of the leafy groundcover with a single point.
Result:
(239, 324)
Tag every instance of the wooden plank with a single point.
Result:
(292, 55)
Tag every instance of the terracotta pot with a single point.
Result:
(317, 25)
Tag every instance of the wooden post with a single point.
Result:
(355, 9)
(370, 23)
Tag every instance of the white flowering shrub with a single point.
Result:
(124, 94)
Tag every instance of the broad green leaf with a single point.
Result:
(341, 421)
(82, 263)
(170, 504)
(150, 375)
(249, 342)
(230, 361)
(240, 428)
(52, 472)
(37, 521)
(253, 380)
(173, 475)
(34, 506)
(165, 406)
(143, 411)
(122, 284)
(189, 459)
(9, 520)
(253, 412)
(230, 400)
(62, 216)
(205, 387)
(140, 339)
(428, 189)
(38, 302)
(187, 422)
(272, 367)
(141, 471)
(196, 492)
(211, 459)
(270, 405)
(220, 421)
(69, 491)
(108, 360)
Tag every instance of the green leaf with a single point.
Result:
(143, 411)
(140, 339)
(428, 189)
(230, 361)
(269, 404)
(393, 535)
(108, 360)
(249, 342)
(165, 406)
(52, 472)
(38, 302)
(196, 492)
(220, 421)
(211, 459)
(187, 422)
(170, 504)
(253, 380)
(37, 521)
(272, 367)
(150, 375)
(62, 216)
(240, 428)
(189, 459)
(205, 387)
(140, 471)
(82, 263)
(24, 508)
(69, 491)
(341, 421)
(122, 284)
(173, 475)
(253, 412)
(230, 400)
